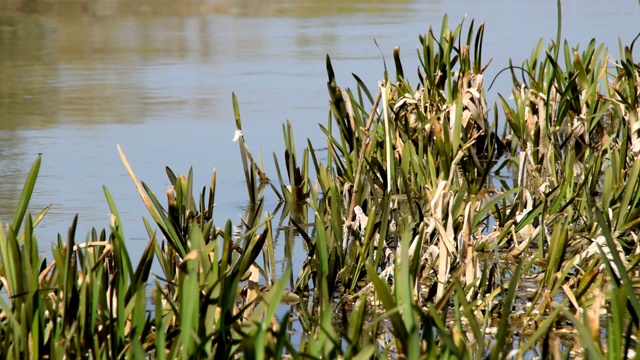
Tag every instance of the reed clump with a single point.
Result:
(417, 245)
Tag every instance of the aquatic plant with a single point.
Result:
(416, 246)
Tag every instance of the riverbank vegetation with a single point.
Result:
(434, 225)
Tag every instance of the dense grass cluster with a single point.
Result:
(416, 246)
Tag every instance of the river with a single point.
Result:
(79, 77)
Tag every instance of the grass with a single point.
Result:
(417, 247)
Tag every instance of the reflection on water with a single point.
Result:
(273, 8)
(105, 62)
(79, 77)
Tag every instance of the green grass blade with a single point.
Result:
(25, 196)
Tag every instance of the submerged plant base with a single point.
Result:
(417, 245)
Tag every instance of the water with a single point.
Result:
(78, 78)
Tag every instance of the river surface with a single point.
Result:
(79, 77)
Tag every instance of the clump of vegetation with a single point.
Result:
(417, 248)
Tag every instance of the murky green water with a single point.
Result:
(79, 77)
